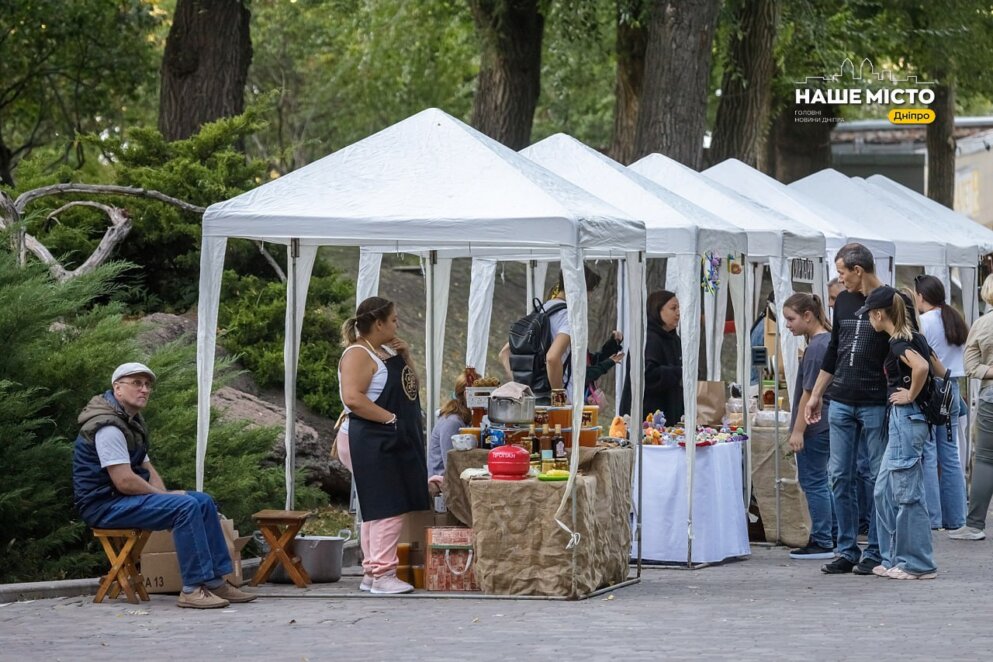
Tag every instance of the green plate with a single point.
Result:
(547, 478)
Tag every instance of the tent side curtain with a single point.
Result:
(367, 284)
(782, 287)
(211, 271)
(481, 286)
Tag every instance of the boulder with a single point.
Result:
(313, 449)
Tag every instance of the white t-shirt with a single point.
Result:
(112, 447)
(377, 384)
(951, 356)
(559, 323)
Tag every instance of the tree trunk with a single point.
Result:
(673, 113)
(941, 146)
(205, 65)
(632, 39)
(797, 149)
(6, 165)
(743, 113)
(510, 33)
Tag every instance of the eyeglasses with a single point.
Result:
(138, 383)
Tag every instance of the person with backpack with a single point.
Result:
(538, 351)
(946, 333)
(663, 360)
(904, 529)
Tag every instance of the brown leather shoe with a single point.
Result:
(201, 598)
(232, 594)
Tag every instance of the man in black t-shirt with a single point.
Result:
(853, 369)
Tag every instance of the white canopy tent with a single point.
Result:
(944, 219)
(675, 228)
(429, 184)
(838, 228)
(772, 239)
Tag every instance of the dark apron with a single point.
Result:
(388, 461)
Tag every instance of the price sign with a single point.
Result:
(803, 270)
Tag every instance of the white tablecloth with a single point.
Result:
(720, 528)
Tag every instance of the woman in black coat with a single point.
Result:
(663, 360)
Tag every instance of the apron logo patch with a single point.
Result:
(409, 380)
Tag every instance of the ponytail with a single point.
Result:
(370, 311)
(897, 312)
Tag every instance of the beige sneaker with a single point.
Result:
(201, 598)
(366, 584)
(390, 585)
(232, 593)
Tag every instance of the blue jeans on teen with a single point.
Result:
(196, 529)
(852, 425)
(811, 466)
(901, 515)
(945, 494)
(863, 486)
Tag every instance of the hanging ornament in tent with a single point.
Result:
(734, 266)
(711, 273)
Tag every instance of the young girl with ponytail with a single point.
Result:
(805, 316)
(901, 514)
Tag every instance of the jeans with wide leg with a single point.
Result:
(852, 425)
(944, 480)
(901, 515)
(196, 529)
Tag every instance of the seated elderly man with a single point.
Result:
(117, 487)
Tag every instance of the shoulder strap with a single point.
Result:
(367, 351)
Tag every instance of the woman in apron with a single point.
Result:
(381, 442)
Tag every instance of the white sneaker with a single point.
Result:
(967, 533)
(389, 585)
(366, 584)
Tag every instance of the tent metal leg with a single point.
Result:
(291, 386)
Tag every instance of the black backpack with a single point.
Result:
(936, 403)
(530, 339)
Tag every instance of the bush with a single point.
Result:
(61, 346)
(252, 316)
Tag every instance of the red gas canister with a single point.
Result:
(509, 462)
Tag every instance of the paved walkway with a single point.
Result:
(767, 607)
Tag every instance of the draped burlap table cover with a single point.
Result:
(519, 548)
(794, 516)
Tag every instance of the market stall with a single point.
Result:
(429, 185)
(677, 229)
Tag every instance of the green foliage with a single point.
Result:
(71, 67)
(164, 241)
(252, 316)
(62, 345)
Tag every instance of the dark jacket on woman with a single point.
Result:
(663, 374)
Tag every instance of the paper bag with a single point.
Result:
(711, 398)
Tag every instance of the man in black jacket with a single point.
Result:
(853, 369)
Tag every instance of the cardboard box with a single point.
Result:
(415, 525)
(160, 564)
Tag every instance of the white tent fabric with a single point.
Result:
(429, 180)
(674, 226)
(481, 285)
(914, 245)
(838, 228)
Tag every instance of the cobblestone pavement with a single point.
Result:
(767, 607)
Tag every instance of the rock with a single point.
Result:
(313, 449)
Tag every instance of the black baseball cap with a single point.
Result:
(881, 297)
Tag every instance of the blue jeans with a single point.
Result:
(863, 487)
(945, 494)
(196, 529)
(901, 515)
(852, 425)
(811, 466)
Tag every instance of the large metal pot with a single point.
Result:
(508, 410)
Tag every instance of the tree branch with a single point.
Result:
(26, 198)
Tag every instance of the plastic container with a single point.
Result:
(320, 556)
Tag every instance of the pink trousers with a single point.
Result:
(379, 537)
